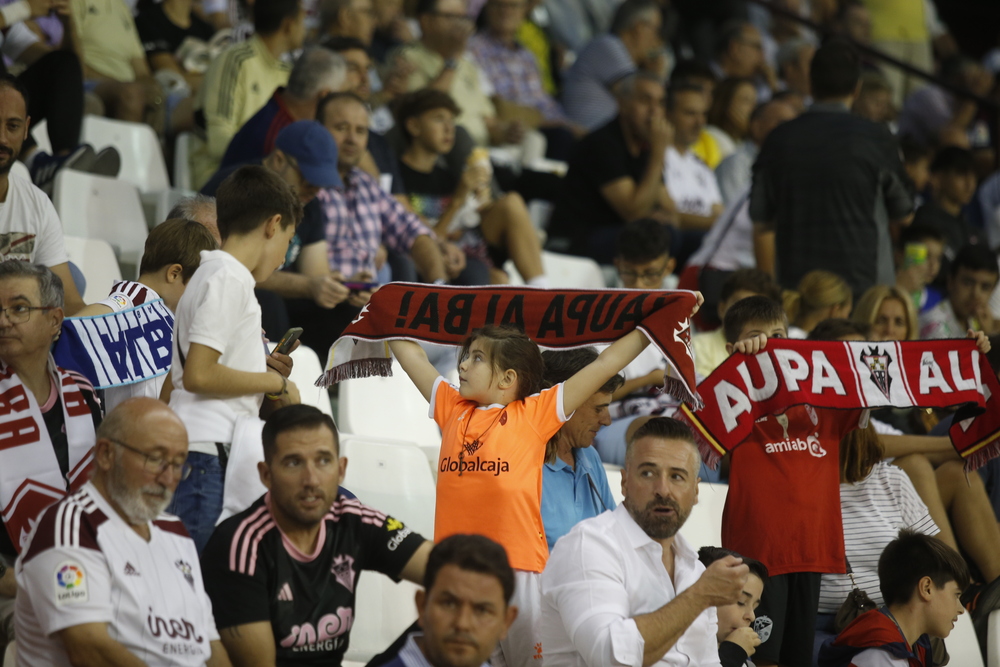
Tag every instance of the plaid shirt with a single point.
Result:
(361, 216)
(514, 74)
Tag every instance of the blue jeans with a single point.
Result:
(198, 499)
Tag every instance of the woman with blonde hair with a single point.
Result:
(888, 312)
(822, 295)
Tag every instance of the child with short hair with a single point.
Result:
(170, 258)
(972, 278)
(737, 638)
(219, 373)
(495, 426)
(921, 579)
(776, 489)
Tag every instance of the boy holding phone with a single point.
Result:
(220, 371)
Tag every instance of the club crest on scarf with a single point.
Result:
(878, 363)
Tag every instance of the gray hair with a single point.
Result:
(625, 88)
(189, 207)
(50, 287)
(316, 70)
(631, 12)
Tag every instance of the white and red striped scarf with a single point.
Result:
(30, 479)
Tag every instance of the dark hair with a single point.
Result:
(911, 557)
(8, 80)
(561, 365)
(629, 13)
(718, 115)
(836, 328)
(974, 258)
(681, 88)
(685, 70)
(336, 97)
(914, 151)
(250, 196)
(419, 102)
(708, 555)
(730, 31)
(340, 44)
(176, 241)
(293, 418)
(835, 70)
(919, 233)
(750, 280)
(663, 428)
(426, 7)
(644, 240)
(953, 160)
(510, 348)
(751, 309)
(268, 15)
(473, 553)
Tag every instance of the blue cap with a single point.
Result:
(314, 150)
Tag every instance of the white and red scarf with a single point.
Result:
(851, 375)
(30, 479)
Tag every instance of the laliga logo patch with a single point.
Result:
(70, 584)
(878, 363)
(762, 626)
(120, 300)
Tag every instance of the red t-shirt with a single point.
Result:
(783, 506)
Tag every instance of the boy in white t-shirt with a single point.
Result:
(171, 256)
(219, 372)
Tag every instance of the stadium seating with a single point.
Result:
(96, 207)
(365, 406)
(564, 271)
(962, 644)
(704, 527)
(383, 609)
(305, 369)
(993, 641)
(96, 259)
(182, 161)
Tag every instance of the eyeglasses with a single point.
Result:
(155, 464)
(20, 313)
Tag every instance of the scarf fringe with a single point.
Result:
(981, 456)
(679, 390)
(355, 369)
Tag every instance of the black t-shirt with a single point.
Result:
(309, 231)
(600, 158)
(429, 194)
(55, 424)
(829, 182)
(159, 34)
(251, 576)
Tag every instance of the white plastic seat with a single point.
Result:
(96, 260)
(383, 609)
(962, 644)
(564, 271)
(615, 481)
(305, 369)
(993, 640)
(96, 207)
(703, 527)
(182, 161)
(390, 407)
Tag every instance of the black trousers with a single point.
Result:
(55, 93)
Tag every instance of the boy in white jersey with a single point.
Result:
(106, 575)
(172, 254)
(219, 372)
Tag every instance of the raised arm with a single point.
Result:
(414, 361)
(612, 360)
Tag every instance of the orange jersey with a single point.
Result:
(490, 470)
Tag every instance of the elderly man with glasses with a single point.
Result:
(48, 416)
(107, 577)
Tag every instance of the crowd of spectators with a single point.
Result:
(807, 187)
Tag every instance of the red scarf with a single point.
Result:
(552, 318)
(851, 375)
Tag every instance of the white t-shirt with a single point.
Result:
(218, 310)
(85, 564)
(690, 182)
(127, 294)
(29, 227)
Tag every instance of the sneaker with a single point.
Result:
(44, 166)
(107, 162)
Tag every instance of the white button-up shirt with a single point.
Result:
(601, 575)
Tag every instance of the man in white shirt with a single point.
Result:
(107, 577)
(29, 227)
(690, 182)
(623, 588)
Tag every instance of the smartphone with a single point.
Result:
(360, 287)
(288, 340)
